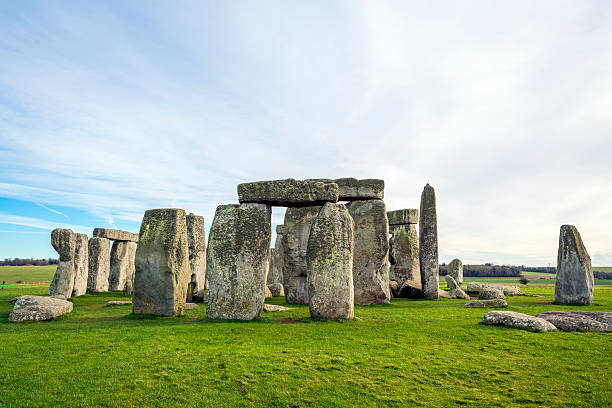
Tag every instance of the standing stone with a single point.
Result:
(81, 264)
(99, 265)
(121, 264)
(162, 263)
(455, 269)
(370, 256)
(196, 237)
(277, 257)
(574, 280)
(329, 260)
(64, 242)
(428, 244)
(237, 257)
(404, 253)
(297, 230)
(451, 283)
(128, 289)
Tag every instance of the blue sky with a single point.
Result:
(110, 108)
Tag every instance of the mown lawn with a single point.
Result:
(408, 353)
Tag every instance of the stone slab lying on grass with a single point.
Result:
(516, 320)
(487, 303)
(117, 303)
(580, 321)
(490, 293)
(458, 294)
(508, 290)
(411, 290)
(191, 306)
(275, 308)
(288, 192)
(116, 235)
(29, 307)
(403, 217)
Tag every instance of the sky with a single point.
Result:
(111, 108)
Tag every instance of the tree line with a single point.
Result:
(486, 270)
(27, 261)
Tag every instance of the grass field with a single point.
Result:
(407, 353)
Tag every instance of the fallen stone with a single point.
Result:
(297, 224)
(196, 238)
(428, 243)
(276, 289)
(516, 320)
(122, 267)
(288, 193)
(451, 283)
(162, 263)
(29, 307)
(580, 321)
(99, 265)
(458, 294)
(81, 265)
(411, 290)
(275, 308)
(237, 257)
(403, 217)
(128, 290)
(117, 303)
(329, 258)
(476, 287)
(487, 303)
(455, 270)
(191, 306)
(490, 293)
(64, 242)
(404, 254)
(370, 255)
(115, 235)
(574, 280)
(351, 189)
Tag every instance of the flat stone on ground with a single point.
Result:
(117, 303)
(275, 308)
(116, 235)
(580, 321)
(191, 306)
(516, 320)
(288, 193)
(29, 307)
(487, 303)
(490, 293)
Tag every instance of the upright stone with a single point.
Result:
(196, 235)
(404, 253)
(64, 242)
(297, 230)
(81, 265)
(455, 269)
(288, 192)
(122, 266)
(277, 258)
(237, 257)
(574, 280)
(428, 244)
(162, 263)
(329, 260)
(99, 265)
(370, 255)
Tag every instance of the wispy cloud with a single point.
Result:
(40, 223)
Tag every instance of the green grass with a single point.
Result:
(407, 353)
(41, 273)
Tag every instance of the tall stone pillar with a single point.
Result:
(428, 244)
(277, 257)
(64, 242)
(404, 246)
(122, 266)
(81, 265)
(455, 270)
(196, 235)
(574, 281)
(99, 265)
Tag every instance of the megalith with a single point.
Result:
(455, 270)
(404, 253)
(298, 221)
(122, 266)
(277, 257)
(64, 242)
(237, 257)
(81, 265)
(196, 236)
(371, 249)
(329, 259)
(162, 263)
(288, 192)
(574, 280)
(99, 265)
(428, 244)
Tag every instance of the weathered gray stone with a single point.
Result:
(117, 303)
(451, 283)
(277, 256)
(267, 292)
(329, 259)
(370, 256)
(237, 256)
(276, 289)
(404, 254)
(99, 265)
(487, 303)
(490, 293)
(115, 235)
(196, 237)
(351, 189)
(191, 306)
(393, 288)
(507, 290)
(280, 229)
(580, 321)
(574, 280)
(411, 290)
(122, 268)
(455, 269)
(288, 192)
(81, 265)
(128, 289)
(516, 320)
(64, 242)
(162, 263)
(403, 217)
(458, 293)
(30, 307)
(428, 243)
(297, 230)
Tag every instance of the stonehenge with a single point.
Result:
(64, 242)
(288, 193)
(574, 280)
(121, 264)
(162, 263)
(455, 270)
(99, 265)
(81, 265)
(428, 244)
(277, 257)
(196, 238)
(404, 246)
(115, 235)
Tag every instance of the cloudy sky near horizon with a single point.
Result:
(110, 108)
